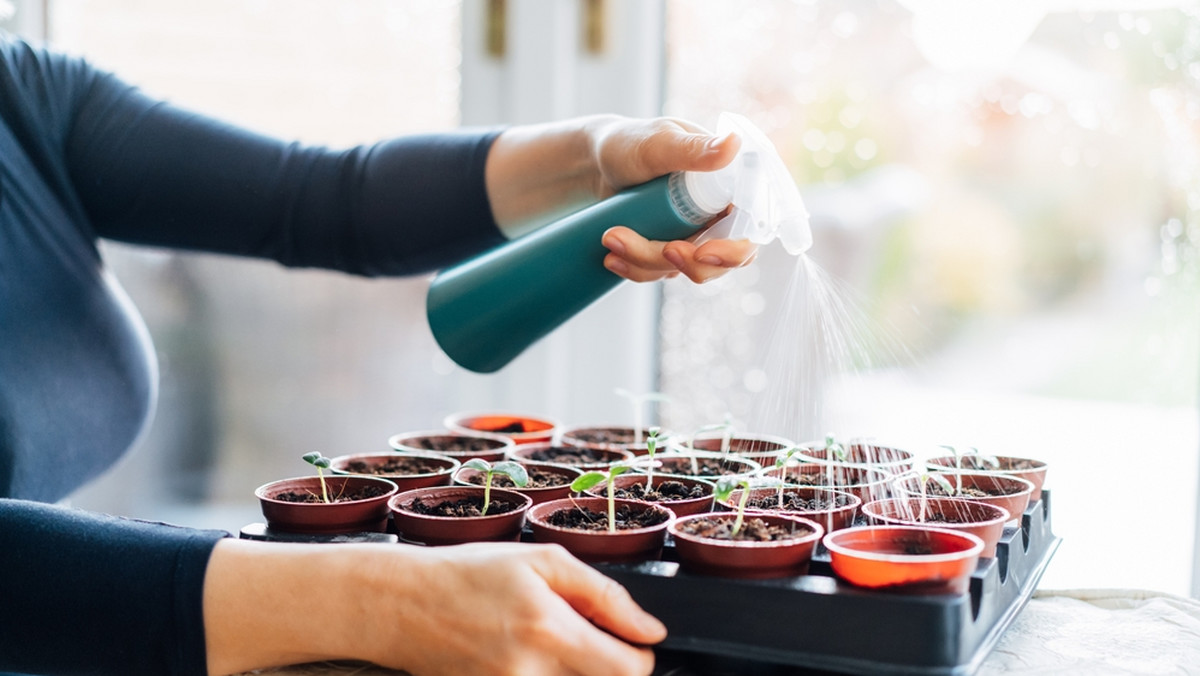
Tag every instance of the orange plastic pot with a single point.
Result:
(522, 429)
(349, 516)
(679, 507)
(831, 519)
(904, 558)
(461, 447)
(440, 476)
(447, 530)
(1010, 493)
(977, 518)
(1036, 476)
(465, 475)
(634, 544)
(747, 559)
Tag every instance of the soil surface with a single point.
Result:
(459, 508)
(662, 491)
(361, 493)
(753, 530)
(578, 518)
(1006, 464)
(398, 466)
(456, 445)
(972, 491)
(538, 478)
(703, 467)
(606, 435)
(937, 517)
(569, 455)
(797, 502)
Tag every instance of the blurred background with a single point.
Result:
(1005, 204)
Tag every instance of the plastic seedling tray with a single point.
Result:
(817, 622)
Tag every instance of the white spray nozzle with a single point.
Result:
(765, 202)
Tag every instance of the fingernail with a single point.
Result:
(710, 260)
(614, 245)
(673, 258)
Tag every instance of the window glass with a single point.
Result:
(260, 365)
(1005, 204)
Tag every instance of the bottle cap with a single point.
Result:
(765, 202)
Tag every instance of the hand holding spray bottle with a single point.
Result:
(488, 309)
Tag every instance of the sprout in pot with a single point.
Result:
(728, 484)
(321, 463)
(589, 479)
(941, 481)
(515, 473)
(985, 460)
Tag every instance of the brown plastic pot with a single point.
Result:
(439, 477)
(680, 465)
(977, 518)
(831, 519)
(522, 429)
(868, 483)
(761, 448)
(461, 447)
(1008, 492)
(679, 507)
(1036, 476)
(464, 476)
(618, 437)
(862, 454)
(350, 516)
(535, 454)
(635, 544)
(445, 530)
(904, 558)
(745, 558)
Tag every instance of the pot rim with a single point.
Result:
(856, 502)
(523, 503)
(903, 482)
(453, 467)
(513, 453)
(261, 491)
(1002, 517)
(906, 457)
(787, 444)
(1042, 465)
(533, 516)
(831, 543)
(394, 441)
(455, 422)
(818, 531)
(591, 492)
(711, 455)
(541, 465)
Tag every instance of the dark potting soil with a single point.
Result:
(1006, 464)
(569, 455)
(972, 491)
(753, 529)
(516, 427)
(605, 435)
(702, 467)
(538, 478)
(811, 479)
(578, 518)
(455, 445)
(460, 508)
(361, 493)
(797, 502)
(398, 466)
(662, 491)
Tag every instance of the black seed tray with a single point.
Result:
(817, 623)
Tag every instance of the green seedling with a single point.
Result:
(726, 485)
(512, 470)
(637, 400)
(958, 461)
(941, 481)
(589, 479)
(781, 465)
(651, 447)
(832, 450)
(725, 428)
(321, 463)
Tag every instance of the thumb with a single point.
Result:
(678, 150)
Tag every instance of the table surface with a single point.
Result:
(1097, 631)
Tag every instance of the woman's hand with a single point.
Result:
(548, 170)
(487, 609)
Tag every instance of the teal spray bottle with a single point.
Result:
(487, 310)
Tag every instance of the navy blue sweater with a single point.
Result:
(84, 156)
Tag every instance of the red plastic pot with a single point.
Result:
(904, 558)
(1036, 476)
(977, 518)
(522, 429)
(465, 475)
(680, 464)
(535, 454)
(868, 483)
(440, 476)
(743, 558)
(445, 530)
(350, 516)
(761, 448)
(831, 519)
(862, 454)
(635, 544)
(1013, 492)
(461, 447)
(618, 437)
(679, 507)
